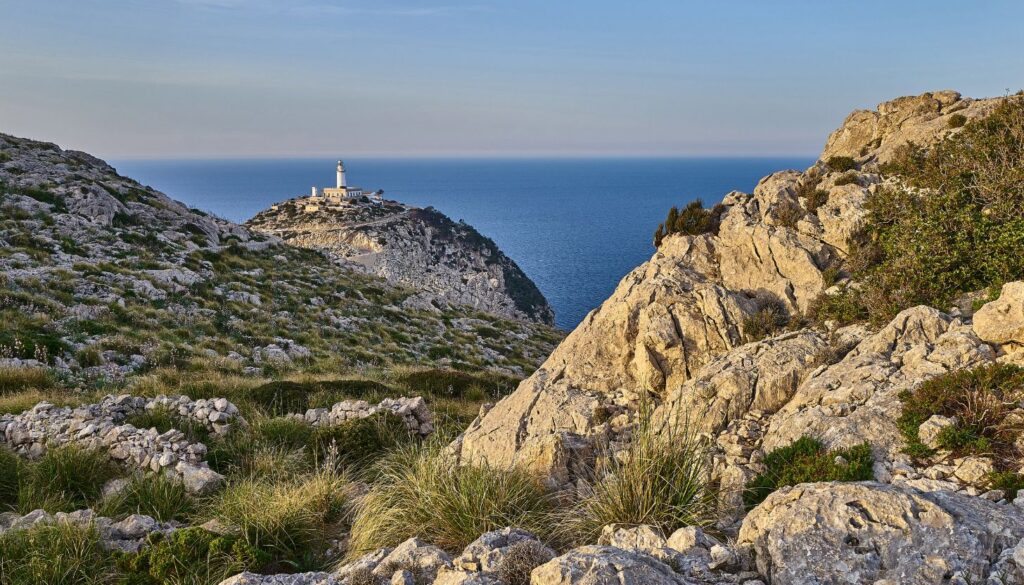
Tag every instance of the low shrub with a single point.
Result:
(520, 560)
(157, 495)
(979, 399)
(805, 461)
(847, 179)
(54, 554)
(841, 163)
(65, 479)
(89, 357)
(844, 307)
(290, 521)
(1009, 481)
(190, 556)
(692, 220)
(771, 316)
(358, 441)
(815, 199)
(422, 491)
(957, 121)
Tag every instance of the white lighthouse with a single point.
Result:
(341, 175)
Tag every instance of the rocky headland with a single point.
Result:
(451, 263)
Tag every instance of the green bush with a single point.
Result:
(156, 495)
(662, 479)
(356, 442)
(980, 399)
(421, 491)
(957, 121)
(845, 307)
(692, 220)
(190, 556)
(960, 229)
(847, 179)
(1010, 482)
(89, 357)
(65, 479)
(841, 164)
(54, 554)
(806, 461)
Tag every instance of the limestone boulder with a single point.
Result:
(840, 533)
(1001, 321)
(605, 565)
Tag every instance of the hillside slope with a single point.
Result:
(418, 248)
(105, 277)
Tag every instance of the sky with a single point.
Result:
(298, 78)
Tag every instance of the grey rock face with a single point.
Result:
(836, 533)
(451, 263)
(605, 565)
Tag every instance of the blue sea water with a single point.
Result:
(575, 226)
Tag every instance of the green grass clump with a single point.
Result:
(290, 521)
(13, 380)
(662, 479)
(65, 479)
(1009, 481)
(55, 554)
(359, 441)
(841, 164)
(284, 432)
(806, 461)
(979, 399)
(10, 471)
(156, 495)
(421, 491)
(190, 556)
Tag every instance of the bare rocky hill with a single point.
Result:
(418, 248)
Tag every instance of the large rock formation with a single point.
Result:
(419, 248)
(657, 338)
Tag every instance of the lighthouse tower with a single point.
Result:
(341, 175)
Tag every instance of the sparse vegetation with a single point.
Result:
(520, 560)
(55, 554)
(957, 121)
(806, 460)
(771, 316)
(979, 400)
(65, 479)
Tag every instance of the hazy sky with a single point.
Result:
(155, 78)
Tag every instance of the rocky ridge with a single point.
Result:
(450, 262)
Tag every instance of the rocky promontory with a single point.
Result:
(449, 261)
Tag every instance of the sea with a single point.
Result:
(575, 226)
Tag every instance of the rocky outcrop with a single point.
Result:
(873, 533)
(923, 119)
(419, 248)
(674, 330)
